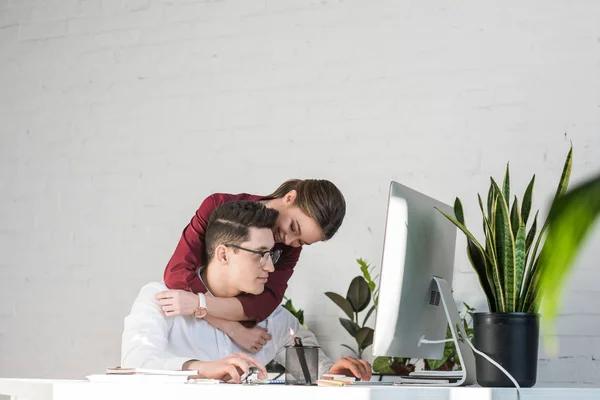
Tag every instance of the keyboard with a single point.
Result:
(437, 374)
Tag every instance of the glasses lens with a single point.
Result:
(275, 256)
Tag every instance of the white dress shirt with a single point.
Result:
(151, 340)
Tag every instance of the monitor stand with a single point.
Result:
(465, 354)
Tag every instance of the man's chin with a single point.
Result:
(256, 290)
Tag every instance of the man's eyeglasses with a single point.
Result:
(275, 254)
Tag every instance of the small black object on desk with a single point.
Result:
(302, 358)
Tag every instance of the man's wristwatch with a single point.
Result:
(201, 312)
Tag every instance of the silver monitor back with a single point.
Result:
(419, 243)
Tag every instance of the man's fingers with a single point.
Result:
(168, 308)
(360, 366)
(233, 372)
(253, 362)
(368, 370)
(262, 341)
(240, 363)
(352, 367)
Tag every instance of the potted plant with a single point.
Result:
(360, 293)
(509, 268)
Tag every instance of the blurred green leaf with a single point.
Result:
(299, 314)
(382, 365)
(569, 222)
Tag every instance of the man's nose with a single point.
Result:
(269, 267)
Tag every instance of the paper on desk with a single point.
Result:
(147, 371)
(136, 378)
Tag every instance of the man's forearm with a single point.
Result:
(226, 308)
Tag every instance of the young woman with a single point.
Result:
(310, 211)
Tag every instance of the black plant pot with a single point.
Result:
(510, 339)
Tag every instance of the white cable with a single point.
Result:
(423, 340)
(500, 367)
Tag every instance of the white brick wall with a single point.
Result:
(119, 117)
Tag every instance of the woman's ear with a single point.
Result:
(221, 254)
(290, 197)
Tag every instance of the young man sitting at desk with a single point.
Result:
(239, 240)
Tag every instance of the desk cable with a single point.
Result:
(500, 367)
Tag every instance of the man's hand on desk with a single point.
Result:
(351, 366)
(231, 367)
(250, 339)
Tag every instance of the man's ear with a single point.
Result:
(221, 254)
(290, 197)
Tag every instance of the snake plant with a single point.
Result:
(508, 262)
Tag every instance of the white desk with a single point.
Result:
(47, 389)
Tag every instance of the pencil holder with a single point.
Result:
(301, 365)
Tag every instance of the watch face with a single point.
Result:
(200, 312)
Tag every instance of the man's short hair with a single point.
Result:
(229, 223)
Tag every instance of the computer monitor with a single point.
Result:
(415, 298)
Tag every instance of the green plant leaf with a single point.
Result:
(529, 288)
(505, 250)
(526, 207)
(359, 294)
(350, 348)
(569, 222)
(490, 201)
(506, 186)
(531, 282)
(342, 303)
(476, 265)
(382, 365)
(478, 261)
(364, 337)
(560, 190)
(493, 274)
(350, 326)
(369, 314)
(515, 217)
(519, 269)
(458, 211)
(364, 268)
(532, 232)
(435, 364)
